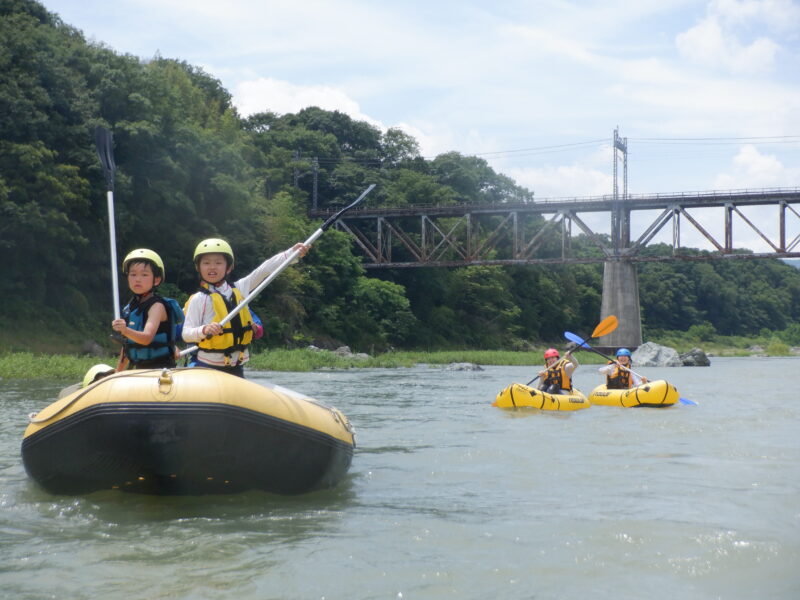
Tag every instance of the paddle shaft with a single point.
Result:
(292, 256)
(105, 152)
(537, 377)
(586, 345)
(269, 279)
(112, 235)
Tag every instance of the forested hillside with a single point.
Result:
(189, 167)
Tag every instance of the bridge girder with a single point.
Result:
(540, 232)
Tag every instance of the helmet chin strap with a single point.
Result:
(215, 284)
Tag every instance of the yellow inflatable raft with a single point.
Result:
(186, 431)
(517, 395)
(654, 394)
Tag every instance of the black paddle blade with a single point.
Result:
(105, 152)
(333, 219)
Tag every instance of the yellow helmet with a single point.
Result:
(95, 373)
(144, 254)
(213, 246)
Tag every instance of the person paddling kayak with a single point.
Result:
(619, 375)
(556, 377)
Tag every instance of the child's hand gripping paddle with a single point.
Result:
(604, 327)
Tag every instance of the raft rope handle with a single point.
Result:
(32, 416)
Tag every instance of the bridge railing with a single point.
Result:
(646, 201)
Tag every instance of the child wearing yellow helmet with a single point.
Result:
(224, 348)
(148, 322)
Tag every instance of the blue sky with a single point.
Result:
(707, 92)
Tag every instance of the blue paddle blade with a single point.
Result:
(572, 337)
(687, 401)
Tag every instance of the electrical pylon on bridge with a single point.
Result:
(620, 278)
(540, 232)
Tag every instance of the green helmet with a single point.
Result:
(95, 373)
(213, 246)
(144, 254)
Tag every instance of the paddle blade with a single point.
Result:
(105, 152)
(573, 337)
(605, 326)
(331, 220)
(687, 401)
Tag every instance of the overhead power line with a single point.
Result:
(556, 148)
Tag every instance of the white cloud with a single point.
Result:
(431, 143)
(778, 15)
(265, 94)
(564, 180)
(708, 44)
(719, 39)
(751, 169)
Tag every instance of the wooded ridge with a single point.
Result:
(190, 167)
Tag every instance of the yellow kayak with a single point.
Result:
(653, 394)
(518, 395)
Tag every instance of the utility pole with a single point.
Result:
(620, 227)
(315, 169)
(621, 145)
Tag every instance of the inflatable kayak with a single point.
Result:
(654, 394)
(186, 431)
(517, 395)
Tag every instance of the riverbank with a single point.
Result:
(29, 365)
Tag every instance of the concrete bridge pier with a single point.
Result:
(621, 298)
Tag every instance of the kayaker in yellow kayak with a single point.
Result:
(619, 375)
(556, 377)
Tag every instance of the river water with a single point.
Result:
(449, 497)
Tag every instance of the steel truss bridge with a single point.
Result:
(514, 234)
(540, 232)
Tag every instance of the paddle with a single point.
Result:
(105, 152)
(583, 343)
(292, 255)
(604, 327)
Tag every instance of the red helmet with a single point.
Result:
(550, 353)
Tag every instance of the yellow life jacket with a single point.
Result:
(557, 375)
(618, 379)
(237, 333)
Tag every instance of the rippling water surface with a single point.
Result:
(449, 497)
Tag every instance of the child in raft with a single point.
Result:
(618, 373)
(148, 322)
(224, 348)
(556, 377)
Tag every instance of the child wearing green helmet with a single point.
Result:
(224, 348)
(148, 322)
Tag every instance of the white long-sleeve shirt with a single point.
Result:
(608, 369)
(200, 310)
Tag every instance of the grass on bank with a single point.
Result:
(29, 365)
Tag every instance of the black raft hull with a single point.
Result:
(186, 431)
